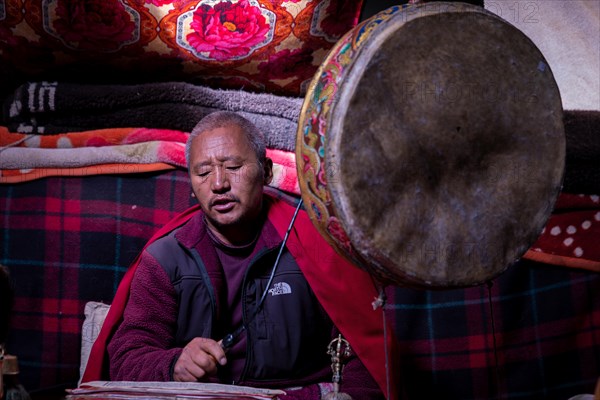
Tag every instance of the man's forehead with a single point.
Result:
(227, 142)
(211, 141)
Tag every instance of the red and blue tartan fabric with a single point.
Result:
(69, 240)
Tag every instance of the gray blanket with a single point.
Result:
(56, 107)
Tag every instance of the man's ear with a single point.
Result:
(268, 170)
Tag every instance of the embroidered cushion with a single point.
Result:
(257, 45)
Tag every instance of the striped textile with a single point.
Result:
(69, 240)
(545, 326)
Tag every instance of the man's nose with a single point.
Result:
(220, 180)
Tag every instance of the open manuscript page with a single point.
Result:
(168, 390)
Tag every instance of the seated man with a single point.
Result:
(224, 298)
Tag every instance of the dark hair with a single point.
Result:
(6, 302)
(219, 119)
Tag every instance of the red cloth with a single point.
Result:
(345, 291)
(570, 238)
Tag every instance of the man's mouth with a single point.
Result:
(223, 205)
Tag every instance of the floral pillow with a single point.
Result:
(259, 45)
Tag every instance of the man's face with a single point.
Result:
(227, 181)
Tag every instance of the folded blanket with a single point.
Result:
(139, 153)
(53, 107)
(19, 176)
(111, 151)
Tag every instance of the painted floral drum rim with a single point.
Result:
(319, 142)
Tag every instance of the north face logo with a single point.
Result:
(280, 288)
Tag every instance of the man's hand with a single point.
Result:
(199, 359)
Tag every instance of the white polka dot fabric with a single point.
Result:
(572, 235)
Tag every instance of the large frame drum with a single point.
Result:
(430, 146)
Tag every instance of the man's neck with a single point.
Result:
(240, 234)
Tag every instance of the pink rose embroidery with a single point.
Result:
(227, 30)
(101, 25)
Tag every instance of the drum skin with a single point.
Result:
(430, 147)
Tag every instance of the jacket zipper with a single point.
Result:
(245, 321)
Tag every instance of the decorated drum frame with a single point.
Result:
(318, 171)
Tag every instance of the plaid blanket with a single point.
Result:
(542, 342)
(532, 334)
(67, 241)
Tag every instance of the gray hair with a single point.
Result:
(219, 119)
